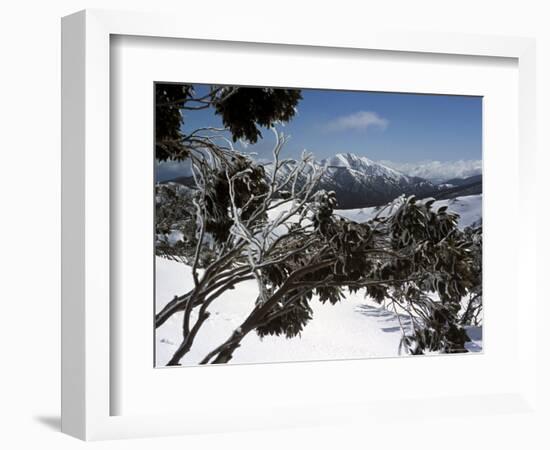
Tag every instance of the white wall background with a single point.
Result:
(30, 197)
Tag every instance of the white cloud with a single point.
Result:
(361, 120)
(438, 170)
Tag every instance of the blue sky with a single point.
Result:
(406, 131)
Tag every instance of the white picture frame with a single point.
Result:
(87, 322)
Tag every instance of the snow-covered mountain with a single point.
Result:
(362, 166)
(361, 182)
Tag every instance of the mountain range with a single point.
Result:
(360, 182)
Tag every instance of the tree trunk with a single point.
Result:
(225, 355)
(171, 308)
(185, 346)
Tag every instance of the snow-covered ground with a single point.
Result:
(350, 329)
(468, 207)
(354, 328)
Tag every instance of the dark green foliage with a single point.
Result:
(415, 221)
(403, 257)
(473, 307)
(440, 333)
(168, 98)
(443, 260)
(288, 320)
(175, 212)
(243, 111)
(248, 190)
(330, 294)
(173, 207)
(325, 204)
(247, 108)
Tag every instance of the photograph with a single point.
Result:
(301, 224)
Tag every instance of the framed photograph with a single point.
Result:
(242, 211)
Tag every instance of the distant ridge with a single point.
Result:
(460, 187)
(360, 182)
